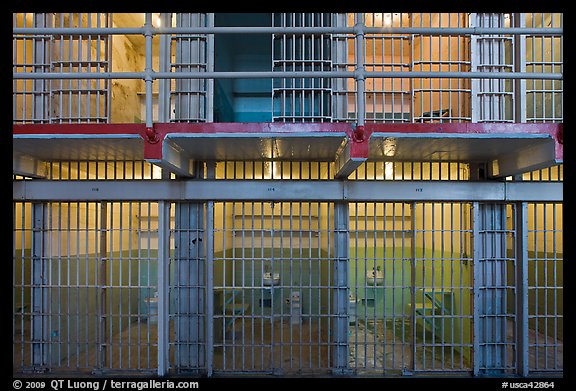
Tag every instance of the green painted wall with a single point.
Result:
(433, 270)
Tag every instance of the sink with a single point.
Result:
(271, 278)
(374, 277)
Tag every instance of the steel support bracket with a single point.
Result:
(353, 152)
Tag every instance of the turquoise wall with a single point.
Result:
(307, 276)
(243, 100)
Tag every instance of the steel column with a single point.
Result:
(521, 272)
(340, 298)
(489, 288)
(360, 70)
(40, 318)
(189, 275)
(148, 69)
(163, 286)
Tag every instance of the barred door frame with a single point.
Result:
(516, 195)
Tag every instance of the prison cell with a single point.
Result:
(441, 100)
(83, 286)
(545, 287)
(355, 284)
(543, 98)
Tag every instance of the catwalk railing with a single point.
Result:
(463, 68)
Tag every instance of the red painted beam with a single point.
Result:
(466, 128)
(83, 129)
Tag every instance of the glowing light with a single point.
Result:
(387, 19)
(156, 172)
(388, 170)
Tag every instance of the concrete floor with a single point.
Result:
(280, 348)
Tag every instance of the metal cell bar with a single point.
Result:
(340, 295)
(163, 286)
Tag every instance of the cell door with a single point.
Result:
(272, 287)
(410, 301)
(84, 284)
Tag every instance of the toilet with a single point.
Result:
(152, 308)
(295, 308)
(352, 309)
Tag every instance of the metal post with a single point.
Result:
(489, 288)
(163, 286)
(340, 299)
(522, 288)
(360, 69)
(39, 293)
(189, 276)
(148, 69)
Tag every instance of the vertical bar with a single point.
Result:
(342, 255)
(520, 66)
(163, 285)
(360, 79)
(148, 69)
(522, 288)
